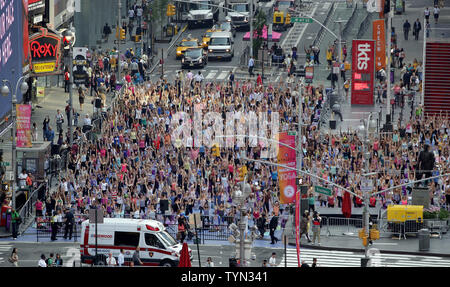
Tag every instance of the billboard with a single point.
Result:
(11, 49)
(287, 177)
(363, 66)
(380, 44)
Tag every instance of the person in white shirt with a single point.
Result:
(121, 258)
(273, 260)
(436, 14)
(23, 178)
(209, 262)
(111, 261)
(199, 77)
(41, 262)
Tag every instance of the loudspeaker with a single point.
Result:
(332, 124)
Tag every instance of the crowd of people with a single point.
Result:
(136, 169)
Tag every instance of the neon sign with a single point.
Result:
(45, 52)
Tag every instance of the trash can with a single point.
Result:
(424, 240)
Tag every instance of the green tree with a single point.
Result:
(261, 20)
(156, 12)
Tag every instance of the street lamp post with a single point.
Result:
(368, 126)
(388, 88)
(5, 92)
(119, 80)
(70, 37)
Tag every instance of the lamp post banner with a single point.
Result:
(380, 41)
(23, 122)
(287, 177)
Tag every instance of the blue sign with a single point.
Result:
(11, 49)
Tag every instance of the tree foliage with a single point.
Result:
(261, 20)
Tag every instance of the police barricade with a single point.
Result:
(397, 228)
(343, 226)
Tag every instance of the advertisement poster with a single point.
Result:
(287, 177)
(23, 123)
(80, 66)
(363, 66)
(380, 44)
(40, 92)
(309, 74)
(11, 50)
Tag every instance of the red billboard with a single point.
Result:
(363, 67)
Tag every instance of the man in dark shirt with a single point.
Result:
(273, 226)
(136, 259)
(69, 224)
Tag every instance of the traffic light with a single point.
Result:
(122, 34)
(387, 6)
(171, 10)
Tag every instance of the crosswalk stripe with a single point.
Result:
(222, 75)
(211, 74)
(331, 258)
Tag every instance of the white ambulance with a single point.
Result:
(157, 247)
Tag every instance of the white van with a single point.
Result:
(221, 46)
(157, 247)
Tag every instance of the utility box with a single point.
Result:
(401, 213)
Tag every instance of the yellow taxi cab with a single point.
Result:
(185, 44)
(207, 36)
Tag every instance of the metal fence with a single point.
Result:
(320, 34)
(334, 226)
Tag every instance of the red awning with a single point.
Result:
(275, 35)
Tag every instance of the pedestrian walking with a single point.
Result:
(427, 14)
(273, 260)
(16, 220)
(231, 79)
(81, 96)
(59, 121)
(50, 261)
(58, 260)
(436, 14)
(304, 225)
(121, 258)
(316, 221)
(406, 28)
(314, 264)
(106, 31)
(273, 224)
(416, 29)
(136, 259)
(42, 262)
(111, 261)
(69, 221)
(304, 264)
(251, 65)
(209, 262)
(66, 80)
(14, 258)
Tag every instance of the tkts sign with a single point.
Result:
(363, 58)
(45, 49)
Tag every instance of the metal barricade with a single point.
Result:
(397, 227)
(343, 226)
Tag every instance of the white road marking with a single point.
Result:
(222, 75)
(211, 74)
